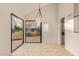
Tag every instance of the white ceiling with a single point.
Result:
(21, 9)
(27, 8)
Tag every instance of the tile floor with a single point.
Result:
(41, 49)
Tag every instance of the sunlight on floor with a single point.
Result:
(38, 49)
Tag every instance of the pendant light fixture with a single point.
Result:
(39, 14)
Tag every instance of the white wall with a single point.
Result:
(4, 31)
(71, 38)
(50, 17)
(65, 10)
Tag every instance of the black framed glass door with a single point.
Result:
(17, 32)
(33, 31)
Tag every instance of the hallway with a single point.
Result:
(38, 49)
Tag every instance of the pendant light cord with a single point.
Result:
(39, 12)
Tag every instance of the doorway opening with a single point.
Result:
(33, 31)
(63, 32)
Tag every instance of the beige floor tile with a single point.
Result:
(38, 49)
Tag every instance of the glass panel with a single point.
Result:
(32, 31)
(17, 32)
